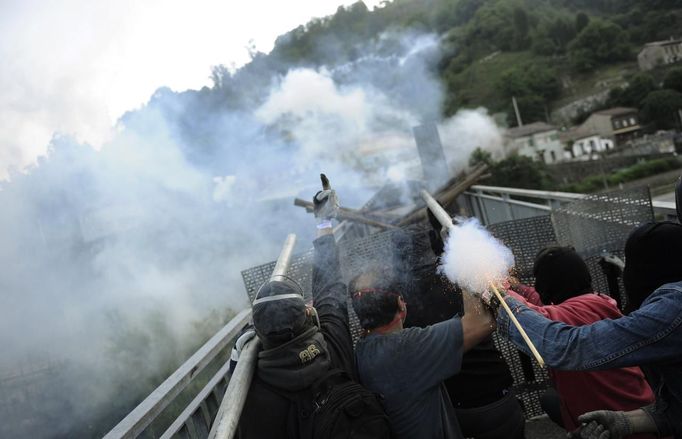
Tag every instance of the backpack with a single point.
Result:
(337, 407)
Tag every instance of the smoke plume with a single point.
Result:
(473, 257)
(116, 263)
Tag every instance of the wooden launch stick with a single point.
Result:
(446, 221)
(522, 331)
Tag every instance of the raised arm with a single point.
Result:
(649, 335)
(329, 291)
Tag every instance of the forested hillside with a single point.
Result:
(139, 245)
(544, 52)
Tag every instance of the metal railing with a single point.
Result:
(206, 416)
(143, 415)
(492, 204)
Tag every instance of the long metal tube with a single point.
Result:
(444, 219)
(441, 215)
(227, 419)
(284, 258)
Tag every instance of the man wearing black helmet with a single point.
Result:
(300, 343)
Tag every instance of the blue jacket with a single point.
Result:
(650, 337)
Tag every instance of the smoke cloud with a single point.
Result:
(116, 263)
(473, 257)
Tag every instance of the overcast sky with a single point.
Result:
(74, 66)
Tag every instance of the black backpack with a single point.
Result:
(337, 407)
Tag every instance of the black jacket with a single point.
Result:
(293, 366)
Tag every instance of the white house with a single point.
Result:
(660, 53)
(583, 144)
(538, 140)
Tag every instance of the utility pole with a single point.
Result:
(519, 122)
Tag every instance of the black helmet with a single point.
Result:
(279, 311)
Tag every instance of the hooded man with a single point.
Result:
(650, 336)
(563, 292)
(300, 343)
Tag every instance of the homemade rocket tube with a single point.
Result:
(446, 221)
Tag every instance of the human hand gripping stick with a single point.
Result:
(489, 282)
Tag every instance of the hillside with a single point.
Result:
(547, 53)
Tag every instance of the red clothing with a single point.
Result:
(616, 389)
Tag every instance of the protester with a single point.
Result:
(307, 353)
(481, 393)
(650, 336)
(408, 366)
(563, 281)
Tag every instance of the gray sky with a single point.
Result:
(74, 66)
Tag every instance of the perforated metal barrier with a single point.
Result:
(594, 225)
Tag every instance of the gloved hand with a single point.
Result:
(616, 425)
(621, 424)
(491, 301)
(247, 334)
(613, 263)
(325, 202)
(593, 430)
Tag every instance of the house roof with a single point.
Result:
(530, 129)
(576, 133)
(616, 111)
(663, 43)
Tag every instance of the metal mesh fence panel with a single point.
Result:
(300, 270)
(602, 222)
(525, 237)
(592, 225)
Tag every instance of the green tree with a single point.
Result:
(581, 21)
(522, 172)
(480, 156)
(673, 80)
(600, 42)
(562, 32)
(522, 27)
(536, 79)
(639, 87)
(533, 108)
(662, 107)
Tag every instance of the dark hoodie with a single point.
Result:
(293, 366)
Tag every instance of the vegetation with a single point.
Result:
(492, 49)
(640, 170)
(521, 172)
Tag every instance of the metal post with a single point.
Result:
(284, 258)
(227, 419)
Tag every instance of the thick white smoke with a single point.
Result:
(473, 258)
(115, 263)
(468, 130)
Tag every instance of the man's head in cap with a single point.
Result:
(652, 259)
(560, 273)
(279, 312)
